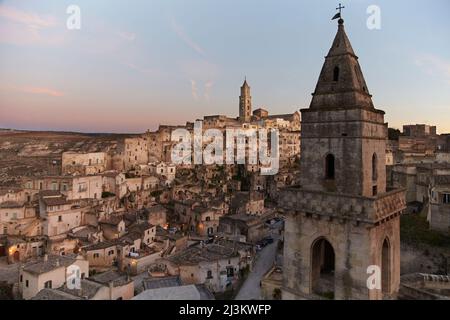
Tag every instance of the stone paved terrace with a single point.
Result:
(341, 206)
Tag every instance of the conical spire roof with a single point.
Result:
(341, 43)
(245, 85)
(341, 83)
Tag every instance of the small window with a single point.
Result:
(230, 272)
(26, 283)
(374, 190)
(21, 278)
(336, 74)
(48, 284)
(59, 218)
(209, 274)
(374, 167)
(329, 167)
(446, 198)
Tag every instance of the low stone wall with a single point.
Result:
(423, 286)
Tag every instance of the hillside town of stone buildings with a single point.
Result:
(127, 223)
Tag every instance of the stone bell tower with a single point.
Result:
(245, 103)
(341, 220)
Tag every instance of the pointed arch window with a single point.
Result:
(386, 267)
(329, 167)
(374, 167)
(336, 73)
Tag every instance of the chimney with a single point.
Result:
(45, 257)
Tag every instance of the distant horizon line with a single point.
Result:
(69, 132)
(142, 132)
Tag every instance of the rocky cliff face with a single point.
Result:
(24, 153)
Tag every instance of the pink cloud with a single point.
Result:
(128, 36)
(186, 39)
(434, 65)
(138, 68)
(42, 91)
(194, 89)
(25, 28)
(30, 19)
(208, 86)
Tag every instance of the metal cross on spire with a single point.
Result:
(340, 8)
(338, 15)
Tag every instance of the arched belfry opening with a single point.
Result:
(386, 267)
(336, 74)
(322, 268)
(329, 167)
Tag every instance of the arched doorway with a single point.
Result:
(386, 267)
(16, 256)
(322, 268)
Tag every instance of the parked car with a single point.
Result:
(264, 242)
(261, 244)
(268, 240)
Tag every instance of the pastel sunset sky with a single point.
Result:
(136, 64)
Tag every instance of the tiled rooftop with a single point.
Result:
(53, 262)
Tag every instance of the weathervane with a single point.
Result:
(338, 15)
